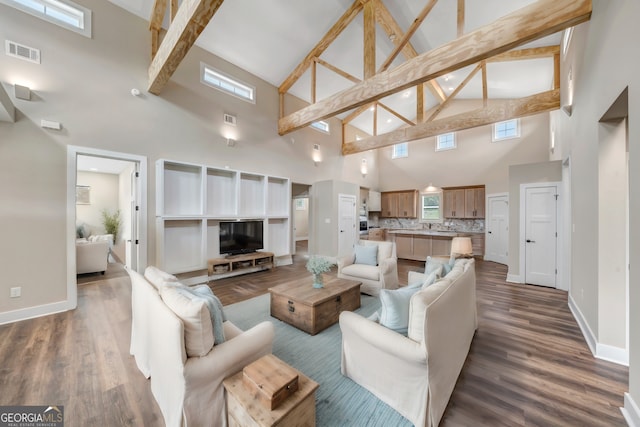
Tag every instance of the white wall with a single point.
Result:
(603, 65)
(476, 160)
(104, 189)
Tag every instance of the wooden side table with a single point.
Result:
(244, 410)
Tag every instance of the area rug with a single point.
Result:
(339, 400)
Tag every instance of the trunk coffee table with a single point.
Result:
(310, 309)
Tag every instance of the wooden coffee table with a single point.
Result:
(310, 309)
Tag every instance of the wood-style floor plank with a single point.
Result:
(528, 364)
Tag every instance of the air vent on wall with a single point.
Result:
(230, 120)
(21, 51)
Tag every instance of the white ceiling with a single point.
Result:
(101, 165)
(270, 38)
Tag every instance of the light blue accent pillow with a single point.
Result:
(214, 305)
(366, 254)
(433, 264)
(394, 311)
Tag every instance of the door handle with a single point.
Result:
(530, 241)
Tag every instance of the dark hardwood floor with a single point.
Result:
(528, 364)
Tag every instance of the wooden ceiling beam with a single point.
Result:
(369, 53)
(338, 71)
(322, 45)
(485, 91)
(407, 36)
(191, 19)
(455, 92)
(529, 23)
(395, 113)
(460, 18)
(157, 14)
(495, 112)
(522, 54)
(395, 33)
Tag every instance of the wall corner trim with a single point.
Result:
(612, 354)
(630, 411)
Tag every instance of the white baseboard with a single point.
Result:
(589, 337)
(630, 411)
(601, 351)
(612, 354)
(33, 312)
(514, 278)
(283, 260)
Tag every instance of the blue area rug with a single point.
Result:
(339, 400)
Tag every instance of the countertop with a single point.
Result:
(423, 232)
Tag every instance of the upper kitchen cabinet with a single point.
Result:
(399, 204)
(464, 202)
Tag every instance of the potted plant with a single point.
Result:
(111, 223)
(316, 266)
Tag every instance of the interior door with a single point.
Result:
(347, 231)
(541, 235)
(497, 239)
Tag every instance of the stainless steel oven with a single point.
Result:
(364, 225)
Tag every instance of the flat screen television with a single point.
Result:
(240, 237)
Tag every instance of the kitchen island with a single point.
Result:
(418, 244)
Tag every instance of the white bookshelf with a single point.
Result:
(192, 199)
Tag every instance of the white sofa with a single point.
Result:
(416, 374)
(92, 256)
(384, 275)
(188, 390)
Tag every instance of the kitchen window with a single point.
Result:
(431, 207)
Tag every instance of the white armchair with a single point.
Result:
(384, 275)
(91, 257)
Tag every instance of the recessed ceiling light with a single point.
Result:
(450, 87)
(406, 94)
(388, 120)
(372, 108)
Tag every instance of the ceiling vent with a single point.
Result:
(21, 51)
(230, 120)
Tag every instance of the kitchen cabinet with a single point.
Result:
(477, 243)
(404, 246)
(454, 203)
(399, 204)
(418, 247)
(463, 202)
(377, 234)
(474, 203)
(375, 202)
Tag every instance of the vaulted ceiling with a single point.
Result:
(387, 68)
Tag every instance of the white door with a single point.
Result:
(497, 239)
(347, 231)
(541, 235)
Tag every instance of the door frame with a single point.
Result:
(559, 229)
(487, 218)
(72, 153)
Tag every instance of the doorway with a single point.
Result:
(133, 182)
(539, 233)
(497, 236)
(300, 214)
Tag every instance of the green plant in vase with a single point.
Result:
(111, 223)
(316, 266)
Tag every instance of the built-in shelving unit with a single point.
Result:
(192, 199)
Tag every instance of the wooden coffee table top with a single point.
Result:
(302, 290)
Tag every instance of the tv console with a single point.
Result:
(234, 265)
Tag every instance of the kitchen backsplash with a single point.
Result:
(447, 224)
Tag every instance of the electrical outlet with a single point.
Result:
(16, 292)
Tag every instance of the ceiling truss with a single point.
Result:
(492, 43)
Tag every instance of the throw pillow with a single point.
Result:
(432, 264)
(366, 254)
(157, 277)
(431, 278)
(193, 311)
(394, 311)
(215, 310)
